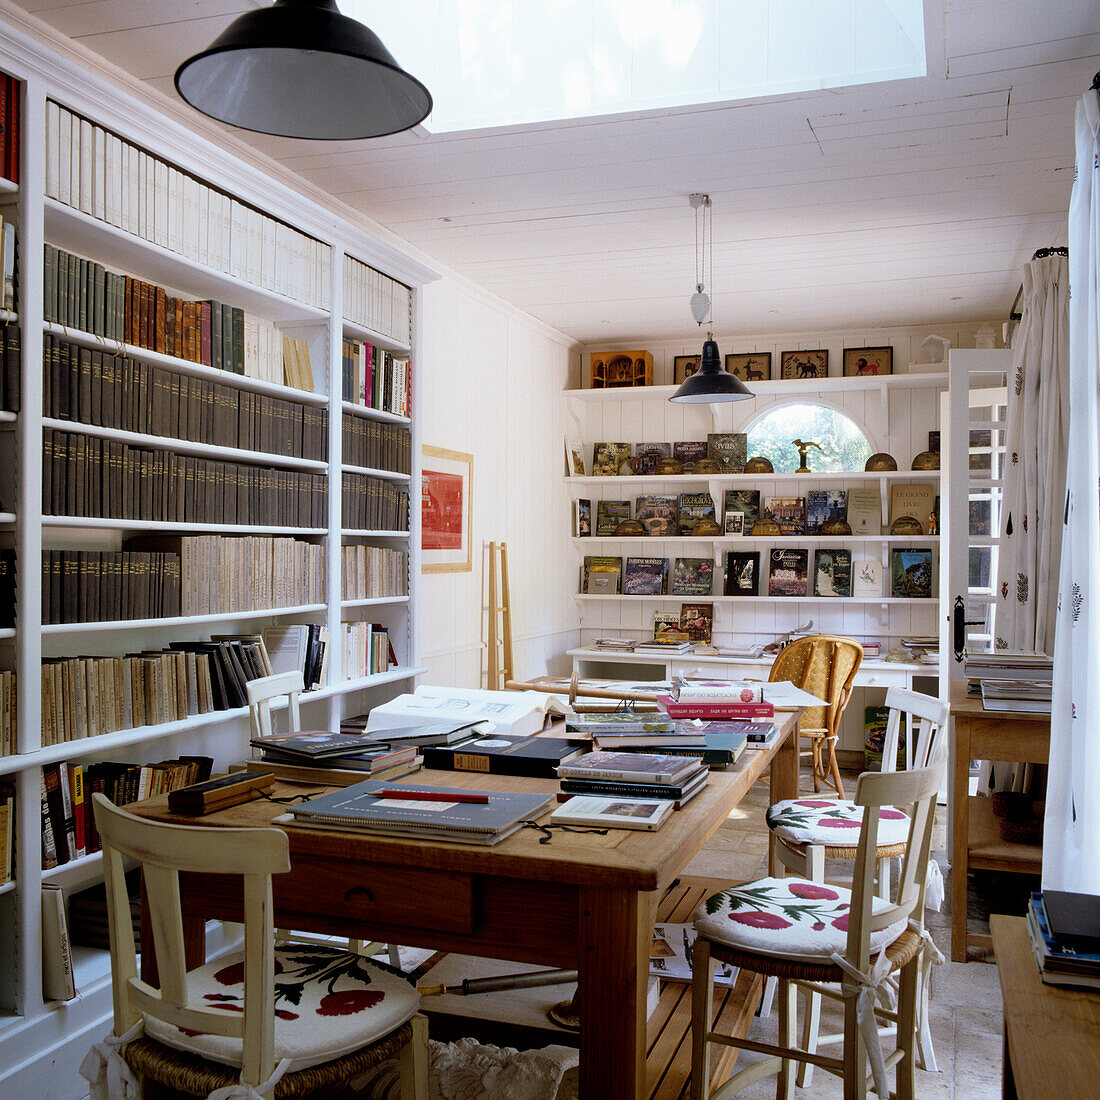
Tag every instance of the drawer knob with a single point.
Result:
(349, 894)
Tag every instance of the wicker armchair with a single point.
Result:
(825, 666)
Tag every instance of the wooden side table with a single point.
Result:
(1051, 1032)
(976, 837)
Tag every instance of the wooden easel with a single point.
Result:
(501, 665)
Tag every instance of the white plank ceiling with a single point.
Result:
(889, 204)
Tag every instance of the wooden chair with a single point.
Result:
(308, 1018)
(808, 933)
(825, 666)
(808, 831)
(260, 694)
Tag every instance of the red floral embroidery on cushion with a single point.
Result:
(891, 815)
(219, 997)
(231, 975)
(815, 804)
(760, 920)
(841, 923)
(838, 823)
(348, 1002)
(812, 890)
(283, 1014)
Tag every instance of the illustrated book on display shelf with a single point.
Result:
(616, 813)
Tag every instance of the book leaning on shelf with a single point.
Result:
(426, 812)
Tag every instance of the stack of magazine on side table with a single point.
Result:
(1064, 929)
(626, 790)
(1010, 680)
(421, 811)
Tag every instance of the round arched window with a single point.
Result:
(843, 445)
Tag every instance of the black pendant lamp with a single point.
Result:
(710, 383)
(301, 69)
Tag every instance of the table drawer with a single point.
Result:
(376, 893)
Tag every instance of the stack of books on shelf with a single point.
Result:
(372, 503)
(717, 701)
(425, 812)
(1064, 929)
(627, 790)
(624, 645)
(375, 378)
(367, 650)
(375, 444)
(7, 830)
(377, 301)
(664, 645)
(301, 647)
(1010, 680)
(373, 572)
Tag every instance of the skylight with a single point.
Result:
(515, 62)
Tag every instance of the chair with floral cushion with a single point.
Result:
(825, 666)
(312, 1020)
(807, 831)
(809, 933)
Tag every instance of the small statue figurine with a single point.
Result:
(803, 446)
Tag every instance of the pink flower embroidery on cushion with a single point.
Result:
(283, 1014)
(815, 804)
(231, 975)
(841, 923)
(890, 815)
(760, 920)
(812, 890)
(348, 1002)
(839, 823)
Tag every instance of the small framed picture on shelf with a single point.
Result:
(735, 523)
(684, 366)
(750, 366)
(860, 362)
(804, 364)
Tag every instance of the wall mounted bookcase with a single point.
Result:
(333, 280)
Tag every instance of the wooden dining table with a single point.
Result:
(578, 900)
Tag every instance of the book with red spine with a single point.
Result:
(714, 711)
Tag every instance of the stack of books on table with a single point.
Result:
(664, 645)
(1010, 680)
(425, 812)
(1064, 929)
(623, 644)
(319, 756)
(717, 701)
(626, 790)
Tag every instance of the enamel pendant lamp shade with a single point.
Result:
(710, 382)
(301, 69)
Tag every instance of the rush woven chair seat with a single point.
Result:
(825, 666)
(808, 831)
(818, 936)
(264, 1023)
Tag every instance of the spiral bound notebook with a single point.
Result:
(360, 808)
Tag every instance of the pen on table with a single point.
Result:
(433, 796)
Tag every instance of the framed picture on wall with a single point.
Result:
(864, 361)
(446, 511)
(684, 366)
(750, 366)
(804, 364)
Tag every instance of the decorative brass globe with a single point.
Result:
(669, 465)
(836, 527)
(766, 526)
(927, 460)
(880, 461)
(906, 525)
(707, 527)
(706, 466)
(629, 528)
(758, 464)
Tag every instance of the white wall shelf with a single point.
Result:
(367, 413)
(110, 524)
(355, 331)
(752, 480)
(186, 446)
(839, 541)
(364, 533)
(385, 475)
(180, 620)
(835, 601)
(363, 683)
(374, 601)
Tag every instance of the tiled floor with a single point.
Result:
(966, 1002)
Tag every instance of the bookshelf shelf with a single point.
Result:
(7, 188)
(368, 413)
(7, 518)
(752, 480)
(7, 632)
(361, 533)
(77, 873)
(361, 332)
(8, 317)
(124, 252)
(8, 417)
(839, 541)
(835, 601)
(388, 475)
(182, 366)
(390, 676)
(185, 446)
(109, 524)
(374, 601)
(179, 620)
(6, 888)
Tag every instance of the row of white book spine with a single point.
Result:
(376, 301)
(366, 650)
(372, 572)
(100, 174)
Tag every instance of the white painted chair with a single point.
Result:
(820, 936)
(808, 831)
(261, 693)
(308, 1018)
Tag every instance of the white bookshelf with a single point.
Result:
(32, 1045)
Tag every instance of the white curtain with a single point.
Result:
(1071, 845)
(1036, 446)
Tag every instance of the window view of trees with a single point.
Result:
(843, 445)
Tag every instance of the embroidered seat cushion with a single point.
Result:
(328, 1003)
(832, 822)
(790, 917)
